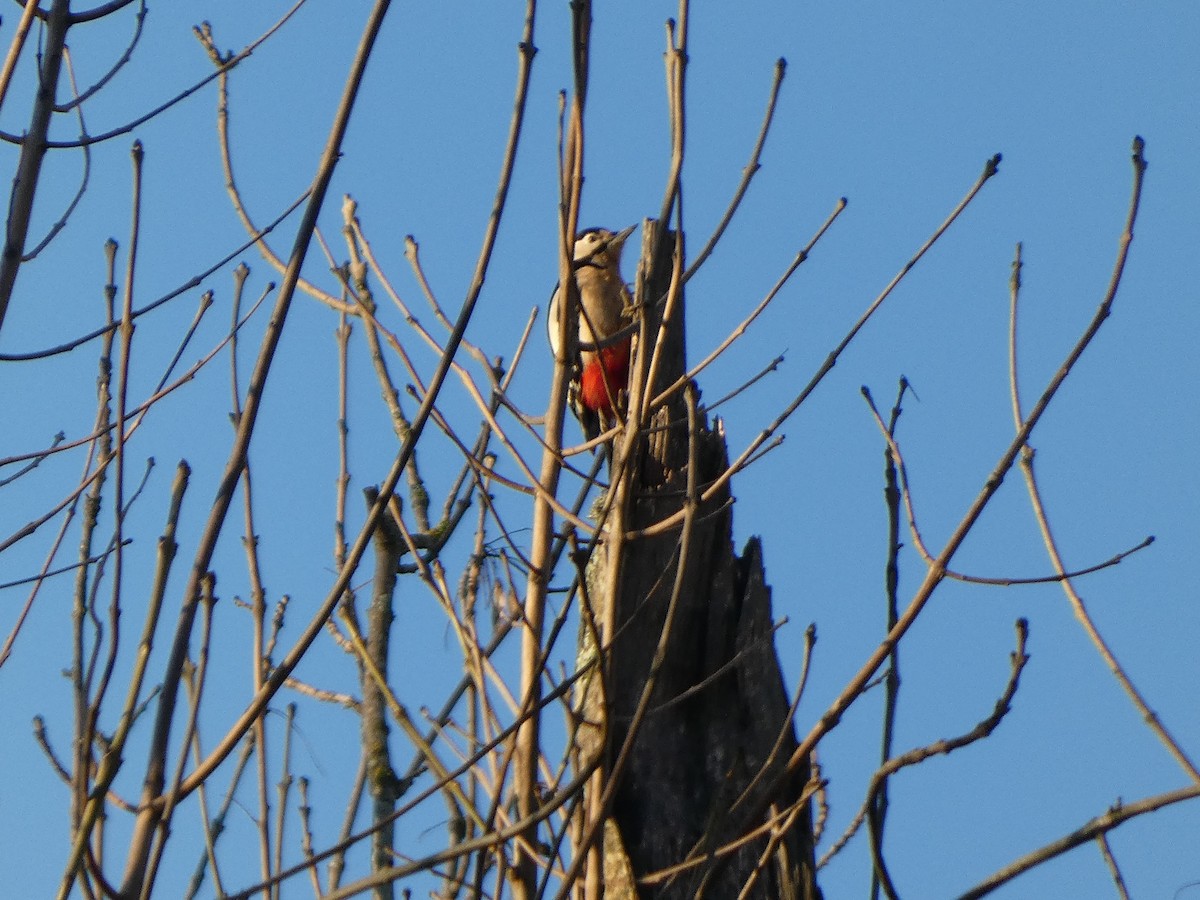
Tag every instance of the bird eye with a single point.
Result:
(592, 243)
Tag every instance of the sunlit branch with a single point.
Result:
(526, 750)
(745, 323)
(412, 254)
(14, 49)
(722, 852)
(82, 611)
(357, 271)
(786, 728)
(936, 573)
(306, 840)
(748, 174)
(1113, 869)
(532, 488)
(258, 661)
(501, 739)
(105, 430)
(337, 858)
(148, 819)
(1149, 716)
(342, 482)
(989, 170)
(204, 35)
(486, 841)
(387, 485)
(1116, 815)
(996, 581)
(612, 777)
(195, 690)
(110, 763)
(119, 509)
(676, 58)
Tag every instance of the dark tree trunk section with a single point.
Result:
(712, 726)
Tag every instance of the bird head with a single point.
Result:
(600, 247)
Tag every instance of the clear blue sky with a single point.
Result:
(895, 106)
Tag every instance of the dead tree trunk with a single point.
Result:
(716, 727)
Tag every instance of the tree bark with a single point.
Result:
(382, 782)
(717, 725)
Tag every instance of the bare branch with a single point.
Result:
(148, 819)
(33, 150)
(1111, 862)
(936, 573)
(748, 174)
(14, 49)
(122, 60)
(191, 283)
(919, 543)
(1117, 814)
(989, 170)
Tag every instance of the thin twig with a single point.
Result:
(672, 521)
(854, 688)
(748, 174)
(757, 311)
(138, 23)
(230, 61)
(121, 416)
(1018, 660)
(995, 581)
(1113, 868)
(1117, 815)
(877, 807)
(526, 749)
(14, 49)
(488, 839)
(34, 144)
(1149, 716)
(83, 178)
(152, 800)
(204, 35)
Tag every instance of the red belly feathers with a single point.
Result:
(611, 365)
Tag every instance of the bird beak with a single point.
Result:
(620, 237)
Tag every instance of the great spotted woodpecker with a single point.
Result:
(600, 375)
